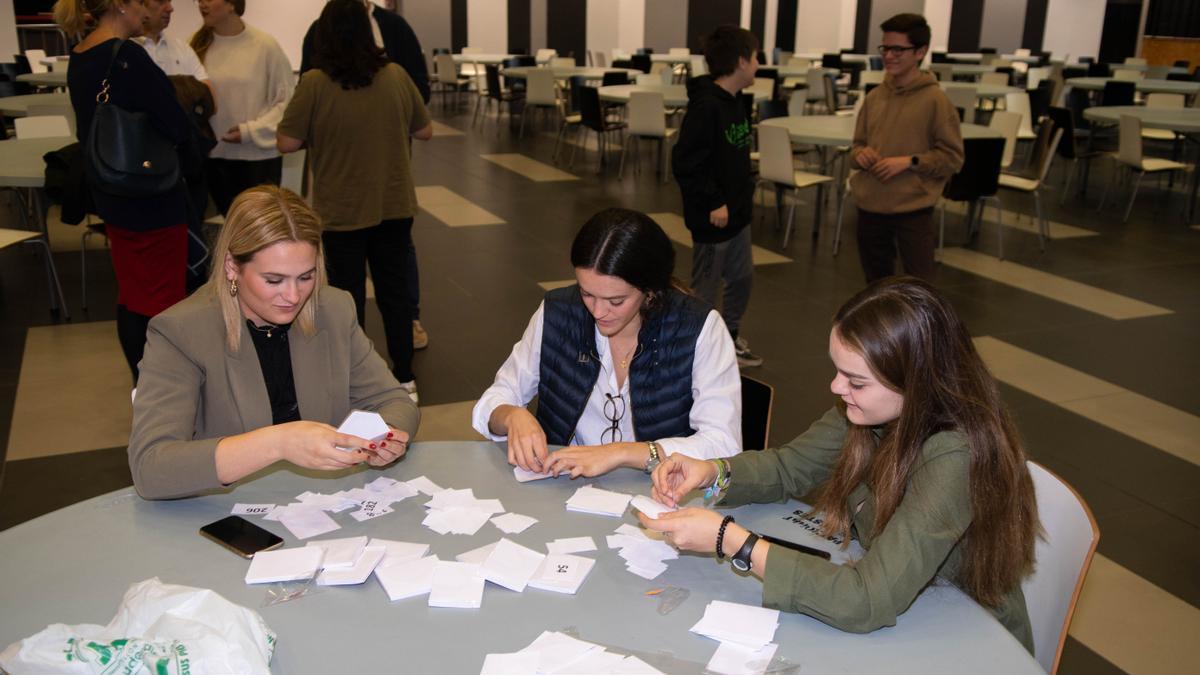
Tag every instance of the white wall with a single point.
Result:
(846, 32)
(1073, 28)
(487, 25)
(818, 25)
(431, 22)
(8, 33)
(286, 20)
(618, 24)
(772, 16)
(631, 25)
(937, 13)
(1003, 26)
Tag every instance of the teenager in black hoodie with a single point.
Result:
(711, 161)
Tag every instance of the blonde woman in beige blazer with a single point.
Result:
(260, 364)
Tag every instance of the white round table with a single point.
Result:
(672, 58)
(18, 106)
(674, 95)
(1144, 86)
(839, 129)
(1143, 67)
(970, 70)
(486, 59)
(982, 90)
(522, 72)
(53, 79)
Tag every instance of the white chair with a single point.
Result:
(1129, 155)
(763, 86)
(1022, 52)
(1007, 123)
(679, 51)
(648, 119)
(965, 99)
(1036, 75)
(997, 79)
(775, 165)
(541, 91)
(471, 69)
(544, 55)
(448, 79)
(698, 66)
(60, 110)
(1063, 555)
(562, 62)
(1019, 103)
(36, 56)
(1134, 61)
(599, 60)
(1127, 75)
(871, 77)
(1161, 100)
(783, 57)
(46, 126)
(814, 87)
(1046, 145)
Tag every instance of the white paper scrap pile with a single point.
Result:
(407, 579)
(456, 584)
(308, 517)
(643, 555)
(588, 499)
(459, 512)
(555, 652)
(513, 523)
(734, 659)
(285, 564)
(749, 626)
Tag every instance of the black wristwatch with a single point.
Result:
(741, 559)
(915, 160)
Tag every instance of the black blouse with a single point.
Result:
(275, 358)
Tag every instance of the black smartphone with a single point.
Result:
(241, 536)
(797, 547)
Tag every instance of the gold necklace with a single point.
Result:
(628, 357)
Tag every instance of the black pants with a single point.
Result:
(131, 333)
(227, 178)
(879, 234)
(385, 248)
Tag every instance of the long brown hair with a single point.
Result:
(915, 344)
(203, 38)
(71, 15)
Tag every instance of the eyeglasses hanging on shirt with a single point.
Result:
(614, 411)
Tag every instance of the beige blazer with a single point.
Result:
(193, 390)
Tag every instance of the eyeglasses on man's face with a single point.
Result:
(884, 50)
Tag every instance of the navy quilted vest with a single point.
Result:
(660, 375)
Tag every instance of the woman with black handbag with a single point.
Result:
(143, 203)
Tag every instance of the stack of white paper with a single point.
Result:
(650, 507)
(456, 584)
(396, 552)
(562, 573)
(306, 517)
(513, 523)
(407, 579)
(731, 622)
(340, 552)
(288, 564)
(562, 654)
(357, 572)
(571, 545)
(734, 659)
(588, 499)
(644, 555)
(459, 512)
(511, 565)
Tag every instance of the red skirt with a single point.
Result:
(151, 267)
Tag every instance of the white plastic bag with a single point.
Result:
(159, 629)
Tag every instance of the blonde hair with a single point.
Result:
(72, 15)
(203, 38)
(258, 218)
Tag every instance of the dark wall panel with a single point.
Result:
(1170, 18)
(966, 22)
(1035, 24)
(785, 26)
(566, 33)
(519, 26)
(862, 28)
(1119, 37)
(705, 15)
(458, 25)
(758, 19)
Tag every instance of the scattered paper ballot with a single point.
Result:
(571, 545)
(371, 509)
(588, 499)
(650, 507)
(364, 424)
(643, 555)
(252, 509)
(459, 512)
(340, 552)
(424, 485)
(287, 564)
(456, 584)
(562, 654)
(407, 579)
(562, 573)
(396, 552)
(304, 521)
(357, 573)
(388, 489)
(731, 622)
(521, 663)
(513, 523)
(511, 565)
(734, 659)
(524, 476)
(477, 556)
(557, 651)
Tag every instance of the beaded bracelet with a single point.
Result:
(721, 536)
(724, 476)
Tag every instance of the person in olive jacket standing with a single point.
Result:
(711, 162)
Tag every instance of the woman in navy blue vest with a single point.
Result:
(627, 368)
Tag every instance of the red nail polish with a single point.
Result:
(384, 444)
(389, 434)
(372, 446)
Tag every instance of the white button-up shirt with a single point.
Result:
(174, 56)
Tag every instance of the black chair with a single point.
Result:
(1179, 77)
(772, 108)
(876, 62)
(498, 95)
(441, 50)
(1183, 63)
(831, 61)
(1069, 72)
(758, 398)
(987, 50)
(520, 61)
(644, 50)
(977, 181)
(623, 63)
(1117, 92)
(614, 77)
(1196, 74)
(1099, 70)
(939, 57)
(641, 62)
(1073, 149)
(1039, 100)
(1087, 59)
(592, 117)
(762, 57)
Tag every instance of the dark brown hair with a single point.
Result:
(629, 245)
(914, 27)
(724, 46)
(203, 38)
(915, 344)
(344, 47)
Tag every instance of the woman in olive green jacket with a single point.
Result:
(919, 460)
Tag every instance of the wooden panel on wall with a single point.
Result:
(1159, 51)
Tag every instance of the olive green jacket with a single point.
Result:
(923, 539)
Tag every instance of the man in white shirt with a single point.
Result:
(174, 56)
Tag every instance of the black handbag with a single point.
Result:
(126, 155)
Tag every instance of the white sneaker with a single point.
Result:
(745, 357)
(420, 337)
(411, 388)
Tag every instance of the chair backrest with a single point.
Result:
(679, 51)
(1161, 100)
(964, 98)
(938, 57)
(757, 400)
(1118, 92)
(666, 76)
(1039, 100)
(1134, 61)
(1063, 555)
(998, 79)
(544, 55)
(796, 102)
(1048, 138)
(699, 66)
(648, 80)
(61, 110)
(772, 108)
(442, 50)
(578, 82)
(944, 72)
(980, 172)
(562, 62)
(541, 88)
(590, 113)
(805, 62)
(35, 57)
(521, 60)
(876, 62)
(762, 86)
(1098, 70)
(829, 86)
(1008, 124)
(641, 62)
(613, 77)
(659, 67)
(831, 61)
(1129, 141)
(782, 56)
(1127, 75)
(1022, 52)
(599, 59)
(1036, 75)
(643, 50)
(444, 68)
(871, 77)
(472, 50)
(647, 114)
(1019, 103)
(775, 155)
(493, 81)
(1182, 63)
(47, 126)
(814, 80)
(1063, 119)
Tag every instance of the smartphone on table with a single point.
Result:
(241, 536)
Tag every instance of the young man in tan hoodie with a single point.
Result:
(907, 144)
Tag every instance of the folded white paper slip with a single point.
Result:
(562, 573)
(513, 523)
(731, 622)
(356, 573)
(477, 556)
(571, 545)
(423, 484)
(407, 579)
(286, 564)
(734, 659)
(650, 507)
(511, 565)
(456, 584)
(558, 651)
(304, 522)
(397, 552)
(366, 425)
(520, 663)
(340, 552)
(588, 499)
(524, 476)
